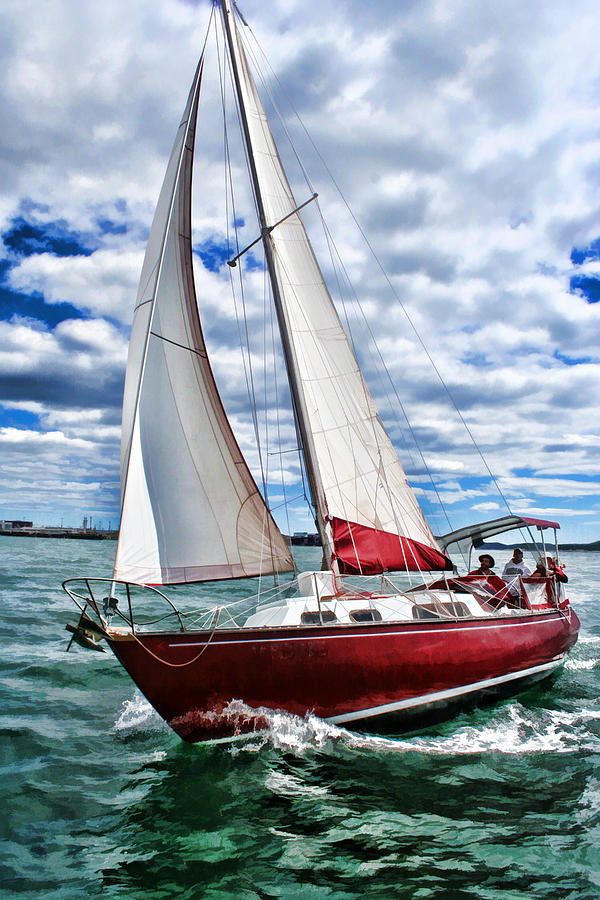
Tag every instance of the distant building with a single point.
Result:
(304, 539)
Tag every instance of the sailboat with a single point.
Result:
(351, 642)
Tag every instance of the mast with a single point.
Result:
(314, 483)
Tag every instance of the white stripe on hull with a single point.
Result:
(450, 693)
(494, 623)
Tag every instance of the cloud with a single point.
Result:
(486, 507)
(48, 475)
(463, 136)
(103, 283)
(80, 363)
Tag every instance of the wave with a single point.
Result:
(513, 730)
(589, 802)
(138, 715)
(581, 663)
(588, 639)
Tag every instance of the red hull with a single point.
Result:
(358, 674)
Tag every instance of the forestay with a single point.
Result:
(190, 509)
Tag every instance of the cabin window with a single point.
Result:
(315, 618)
(432, 611)
(365, 615)
(425, 612)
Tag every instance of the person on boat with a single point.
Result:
(554, 568)
(514, 569)
(486, 562)
(515, 566)
(540, 570)
(500, 590)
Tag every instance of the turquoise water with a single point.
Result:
(101, 799)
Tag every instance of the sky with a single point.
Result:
(464, 136)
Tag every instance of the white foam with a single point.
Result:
(138, 715)
(517, 730)
(589, 802)
(285, 731)
(513, 730)
(287, 785)
(581, 663)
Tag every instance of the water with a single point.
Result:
(101, 799)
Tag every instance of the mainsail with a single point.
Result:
(367, 513)
(190, 509)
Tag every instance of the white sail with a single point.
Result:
(190, 509)
(362, 486)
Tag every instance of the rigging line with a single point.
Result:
(266, 308)
(351, 424)
(274, 357)
(191, 114)
(237, 60)
(190, 661)
(239, 117)
(269, 94)
(270, 536)
(299, 442)
(229, 192)
(290, 500)
(432, 363)
(386, 370)
(264, 365)
(354, 431)
(249, 384)
(281, 452)
(383, 477)
(265, 400)
(253, 399)
(339, 264)
(282, 175)
(278, 417)
(378, 261)
(308, 181)
(248, 369)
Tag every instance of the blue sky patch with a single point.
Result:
(472, 358)
(19, 418)
(27, 239)
(107, 226)
(580, 255)
(213, 255)
(571, 360)
(586, 286)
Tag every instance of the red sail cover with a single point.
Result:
(360, 550)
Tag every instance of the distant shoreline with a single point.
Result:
(593, 547)
(70, 534)
(93, 535)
